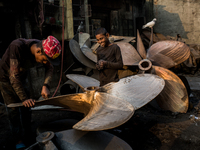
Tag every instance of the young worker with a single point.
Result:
(109, 58)
(21, 55)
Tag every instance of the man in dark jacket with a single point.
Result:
(109, 58)
(21, 55)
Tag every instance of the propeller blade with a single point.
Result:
(174, 96)
(89, 54)
(137, 89)
(168, 53)
(77, 102)
(102, 111)
(129, 54)
(84, 39)
(140, 46)
(107, 112)
(76, 51)
(81, 140)
(83, 81)
(118, 39)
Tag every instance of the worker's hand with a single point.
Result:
(29, 103)
(45, 92)
(98, 67)
(101, 64)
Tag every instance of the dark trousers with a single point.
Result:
(19, 117)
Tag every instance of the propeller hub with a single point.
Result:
(145, 65)
(45, 137)
(90, 91)
(92, 88)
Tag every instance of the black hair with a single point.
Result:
(39, 44)
(101, 31)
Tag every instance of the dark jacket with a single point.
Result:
(15, 62)
(111, 54)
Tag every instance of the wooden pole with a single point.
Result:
(86, 16)
(69, 27)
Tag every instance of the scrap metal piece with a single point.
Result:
(168, 53)
(102, 111)
(83, 81)
(98, 140)
(129, 54)
(174, 96)
(138, 90)
(140, 46)
(76, 51)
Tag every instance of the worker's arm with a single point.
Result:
(14, 72)
(48, 77)
(14, 76)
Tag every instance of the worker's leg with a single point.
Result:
(25, 114)
(15, 123)
(19, 117)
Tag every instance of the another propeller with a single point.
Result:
(167, 54)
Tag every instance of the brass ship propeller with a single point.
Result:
(164, 55)
(108, 106)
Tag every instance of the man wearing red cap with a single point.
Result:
(21, 55)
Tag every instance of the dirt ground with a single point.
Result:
(148, 129)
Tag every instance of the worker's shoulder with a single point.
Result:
(17, 42)
(111, 47)
(23, 41)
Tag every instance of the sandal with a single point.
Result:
(20, 146)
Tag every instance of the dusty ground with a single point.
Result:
(148, 129)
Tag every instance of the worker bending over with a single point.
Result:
(21, 55)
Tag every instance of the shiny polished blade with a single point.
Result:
(168, 53)
(88, 53)
(138, 90)
(76, 51)
(174, 96)
(83, 81)
(106, 112)
(130, 55)
(140, 46)
(76, 102)
(102, 111)
(82, 140)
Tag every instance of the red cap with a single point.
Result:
(52, 49)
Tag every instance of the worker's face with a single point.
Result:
(40, 57)
(103, 39)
